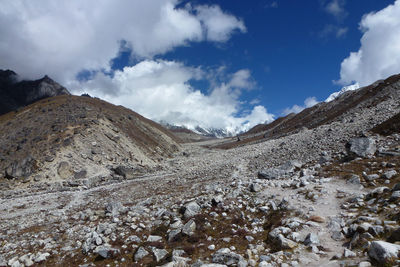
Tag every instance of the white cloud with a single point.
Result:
(160, 90)
(218, 25)
(331, 29)
(336, 9)
(64, 37)
(309, 102)
(379, 54)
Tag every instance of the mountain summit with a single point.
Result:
(15, 94)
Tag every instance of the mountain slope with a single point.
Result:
(15, 94)
(372, 104)
(67, 136)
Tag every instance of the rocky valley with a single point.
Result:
(87, 183)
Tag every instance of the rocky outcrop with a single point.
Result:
(15, 94)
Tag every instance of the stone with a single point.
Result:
(154, 238)
(255, 187)
(283, 243)
(395, 196)
(363, 147)
(317, 219)
(354, 179)
(227, 257)
(140, 254)
(394, 236)
(173, 235)
(311, 239)
(41, 257)
(125, 171)
(348, 253)
(364, 264)
(271, 174)
(26, 260)
(64, 170)
(191, 209)
(383, 252)
(114, 208)
(159, 254)
(389, 174)
(189, 228)
(371, 177)
(20, 169)
(106, 252)
(80, 175)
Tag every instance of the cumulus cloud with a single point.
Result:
(309, 102)
(161, 90)
(379, 54)
(61, 39)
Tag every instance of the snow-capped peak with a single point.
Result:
(335, 95)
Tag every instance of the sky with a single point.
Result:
(215, 64)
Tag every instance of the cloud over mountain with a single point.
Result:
(161, 90)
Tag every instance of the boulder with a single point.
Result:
(363, 147)
(191, 209)
(106, 252)
(227, 257)
(21, 169)
(64, 170)
(140, 254)
(383, 252)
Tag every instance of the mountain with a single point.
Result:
(15, 94)
(350, 106)
(76, 136)
(345, 89)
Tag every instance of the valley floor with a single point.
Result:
(209, 207)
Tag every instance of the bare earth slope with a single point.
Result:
(69, 137)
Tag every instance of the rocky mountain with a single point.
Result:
(88, 183)
(366, 106)
(65, 137)
(15, 94)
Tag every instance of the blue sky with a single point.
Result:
(217, 64)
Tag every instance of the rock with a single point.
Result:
(154, 238)
(217, 199)
(106, 252)
(255, 187)
(389, 174)
(189, 228)
(173, 235)
(363, 147)
(80, 175)
(159, 254)
(3, 262)
(395, 236)
(191, 209)
(125, 171)
(271, 174)
(64, 170)
(311, 239)
(21, 169)
(364, 264)
(41, 257)
(114, 208)
(227, 257)
(283, 243)
(140, 254)
(395, 196)
(371, 177)
(348, 253)
(396, 187)
(383, 252)
(354, 179)
(26, 260)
